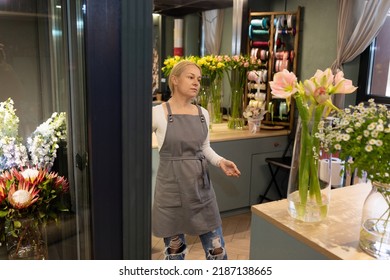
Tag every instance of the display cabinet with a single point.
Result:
(273, 37)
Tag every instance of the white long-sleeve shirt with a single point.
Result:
(159, 125)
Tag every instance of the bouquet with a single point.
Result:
(313, 100)
(361, 135)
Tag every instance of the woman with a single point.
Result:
(184, 200)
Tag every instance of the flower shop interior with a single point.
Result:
(289, 86)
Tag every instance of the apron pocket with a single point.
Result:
(168, 195)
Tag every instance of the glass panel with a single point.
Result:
(42, 70)
(380, 85)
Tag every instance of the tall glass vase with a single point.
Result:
(204, 93)
(375, 225)
(215, 100)
(308, 191)
(237, 81)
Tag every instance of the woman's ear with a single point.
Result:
(174, 80)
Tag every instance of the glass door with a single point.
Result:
(42, 71)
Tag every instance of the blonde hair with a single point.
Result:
(178, 69)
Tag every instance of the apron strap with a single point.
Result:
(170, 118)
(202, 119)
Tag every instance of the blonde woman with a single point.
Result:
(185, 201)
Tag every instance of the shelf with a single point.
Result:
(274, 39)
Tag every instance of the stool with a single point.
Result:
(274, 166)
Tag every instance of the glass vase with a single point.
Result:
(375, 223)
(204, 95)
(26, 240)
(308, 191)
(215, 100)
(235, 120)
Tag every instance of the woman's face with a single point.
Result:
(188, 82)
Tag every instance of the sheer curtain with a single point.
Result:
(359, 22)
(213, 24)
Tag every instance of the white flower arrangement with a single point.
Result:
(361, 135)
(42, 145)
(255, 110)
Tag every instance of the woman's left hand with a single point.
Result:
(229, 168)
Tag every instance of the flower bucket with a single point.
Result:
(308, 191)
(375, 225)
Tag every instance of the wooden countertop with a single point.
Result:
(337, 237)
(220, 132)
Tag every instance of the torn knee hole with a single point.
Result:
(217, 246)
(216, 251)
(175, 245)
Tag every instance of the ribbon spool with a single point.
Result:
(281, 64)
(260, 23)
(260, 44)
(282, 55)
(257, 32)
(291, 31)
(259, 54)
(291, 21)
(258, 76)
(280, 22)
(264, 55)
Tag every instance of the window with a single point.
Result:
(374, 71)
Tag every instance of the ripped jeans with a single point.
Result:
(212, 242)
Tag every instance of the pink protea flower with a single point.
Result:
(2, 191)
(34, 176)
(59, 181)
(23, 195)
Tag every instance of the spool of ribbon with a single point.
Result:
(281, 64)
(280, 21)
(259, 32)
(264, 55)
(291, 31)
(282, 55)
(260, 23)
(254, 52)
(291, 21)
(260, 44)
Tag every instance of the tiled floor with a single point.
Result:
(236, 231)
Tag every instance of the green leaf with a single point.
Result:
(17, 224)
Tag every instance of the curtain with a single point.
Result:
(213, 24)
(359, 22)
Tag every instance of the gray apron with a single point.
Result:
(184, 201)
